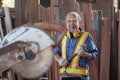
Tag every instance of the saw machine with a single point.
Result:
(27, 51)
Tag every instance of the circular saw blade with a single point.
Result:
(43, 50)
(37, 67)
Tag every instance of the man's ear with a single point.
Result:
(79, 23)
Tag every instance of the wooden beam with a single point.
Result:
(119, 48)
(87, 9)
(105, 53)
(94, 69)
(18, 12)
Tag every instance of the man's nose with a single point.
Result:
(72, 22)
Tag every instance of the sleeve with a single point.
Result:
(57, 51)
(91, 47)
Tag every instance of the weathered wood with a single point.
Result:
(82, 22)
(95, 20)
(87, 1)
(18, 12)
(114, 44)
(1, 31)
(100, 24)
(103, 5)
(105, 53)
(35, 10)
(8, 21)
(56, 67)
(64, 9)
(87, 9)
(94, 69)
(119, 48)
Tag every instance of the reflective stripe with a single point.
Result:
(74, 62)
(81, 41)
(64, 47)
(73, 69)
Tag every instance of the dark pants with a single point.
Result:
(68, 77)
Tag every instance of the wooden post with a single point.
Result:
(7, 19)
(119, 48)
(105, 53)
(88, 15)
(94, 69)
(114, 54)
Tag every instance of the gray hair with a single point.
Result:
(76, 14)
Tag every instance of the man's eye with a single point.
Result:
(74, 20)
(71, 21)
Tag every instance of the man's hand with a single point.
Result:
(80, 51)
(62, 62)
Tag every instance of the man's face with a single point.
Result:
(72, 23)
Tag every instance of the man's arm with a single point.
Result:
(87, 55)
(57, 57)
(82, 52)
(89, 50)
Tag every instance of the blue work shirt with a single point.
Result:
(71, 43)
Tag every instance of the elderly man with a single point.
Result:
(77, 48)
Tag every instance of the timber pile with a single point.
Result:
(93, 22)
(6, 22)
(119, 47)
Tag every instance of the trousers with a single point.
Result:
(69, 77)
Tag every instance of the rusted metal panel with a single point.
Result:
(105, 53)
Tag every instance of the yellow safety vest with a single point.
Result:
(73, 68)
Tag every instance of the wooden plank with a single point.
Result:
(52, 11)
(114, 45)
(8, 19)
(95, 20)
(35, 10)
(105, 21)
(56, 70)
(87, 1)
(119, 48)
(87, 9)
(18, 12)
(64, 9)
(1, 31)
(105, 53)
(83, 20)
(40, 14)
(94, 69)
(100, 24)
